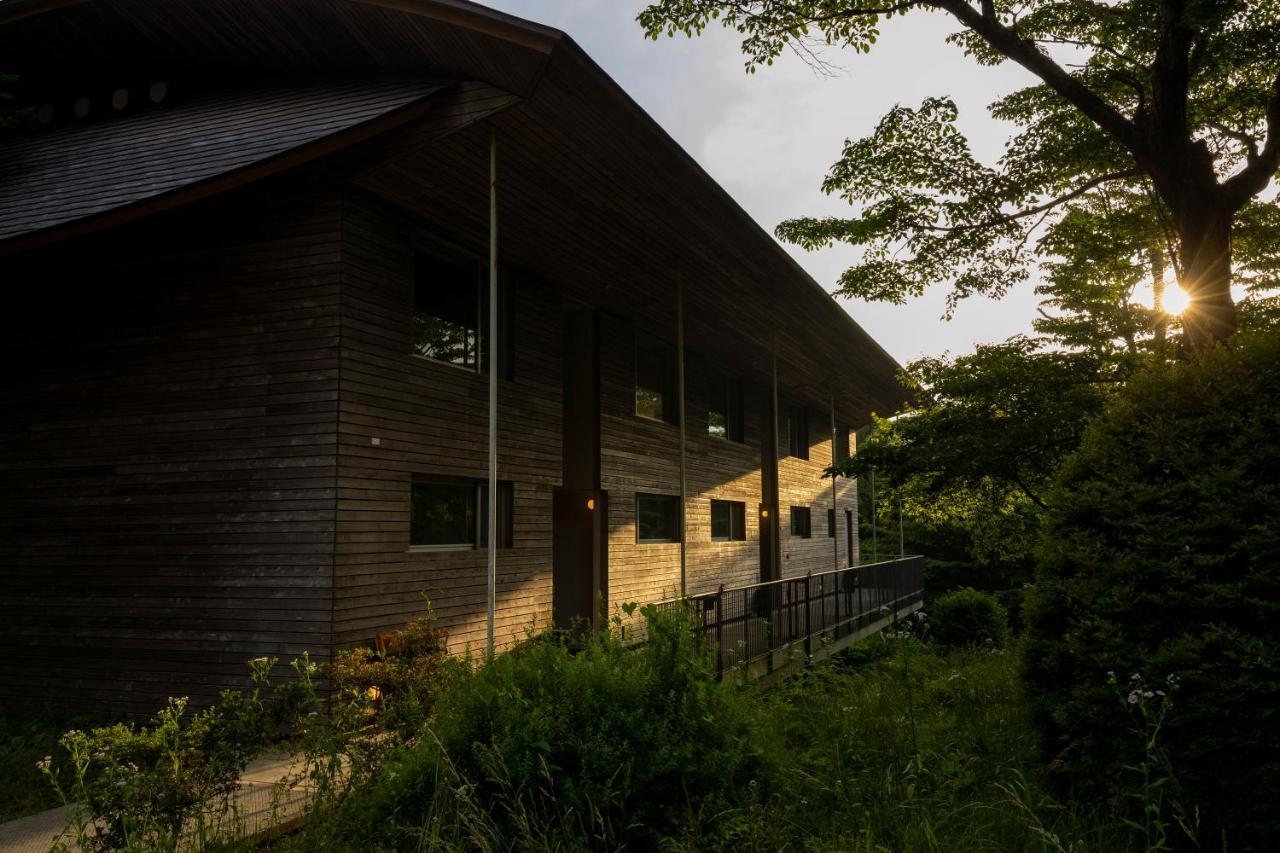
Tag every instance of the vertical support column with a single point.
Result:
(835, 509)
(875, 545)
(492, 574)
(777, 487)
(680, 414)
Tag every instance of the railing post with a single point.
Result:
(720, 632)
(808, 633)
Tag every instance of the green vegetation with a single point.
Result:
(1161, 562)
(967, 617)
(26, 737)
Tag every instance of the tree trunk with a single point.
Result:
(1161, 320)
(1205, 234)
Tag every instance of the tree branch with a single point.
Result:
(1042, 208)
(1030, 57)
(1254, 177)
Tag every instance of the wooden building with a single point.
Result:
(243, 247)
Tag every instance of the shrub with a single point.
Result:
(169, 784)
(1162, 559)
(967, 617)
(603, 745)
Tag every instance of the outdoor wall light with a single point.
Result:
(591, 503)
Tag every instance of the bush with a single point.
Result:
(1161, 560)
(967, 617)
(603, 744)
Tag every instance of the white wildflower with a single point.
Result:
(1133, 698)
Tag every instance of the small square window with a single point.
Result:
(840, 451)
(656, 384)
(453, 514)
(798, 431)
(728, 521)
(724, 407)
(451, 312)
(800, 522)
(657, 518)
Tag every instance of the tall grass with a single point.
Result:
(896, 745)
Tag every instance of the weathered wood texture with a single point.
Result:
(167, 457)
(800, 484)
(432, 418)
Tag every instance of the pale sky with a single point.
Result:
(769, 138)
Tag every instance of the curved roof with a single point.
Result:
(627, 193)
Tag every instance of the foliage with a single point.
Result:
(1173, 105)
(604, 743)
(894, 744)
(157, 786)
(1161, 557)
(968, 617)
(25, 737)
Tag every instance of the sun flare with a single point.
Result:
(1176, 300)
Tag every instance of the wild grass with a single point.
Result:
(26, 737)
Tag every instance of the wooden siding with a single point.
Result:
(432, 418)
(167, 457)
(800, 483)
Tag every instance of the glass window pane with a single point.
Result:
(446, 311)
(442, 514)
(657, 518)
(650, 385)
(721, 520)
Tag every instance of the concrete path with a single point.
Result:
(262, 804)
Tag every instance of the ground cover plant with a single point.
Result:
(26, 737)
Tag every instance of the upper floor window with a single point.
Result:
(724, 407)
(798, 432)
(840, 451)
(656, 384)
(728, 521)
(657, 518)
(451, 312)
(449, 514)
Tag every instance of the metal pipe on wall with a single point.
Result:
(492, 574)
(680, 415)
(835, 510)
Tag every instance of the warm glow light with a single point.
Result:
(591, 503)
(1176, 300)
(764, 513)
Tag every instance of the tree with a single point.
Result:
(1176, 98)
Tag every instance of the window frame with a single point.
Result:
(450, 254)
(479, 510)
(737, 520)
(676, 520)
(668, 379)
(798, 431)
(798, 513)
(720, 382)
(831, 523)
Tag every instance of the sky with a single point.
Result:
(769, 138)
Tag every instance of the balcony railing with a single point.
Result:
(749, 624)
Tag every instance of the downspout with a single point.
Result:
(492, 574)
(680, 415)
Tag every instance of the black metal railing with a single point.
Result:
(749, 623)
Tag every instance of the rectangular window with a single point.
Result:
(448, 514)
(656, 384)
(724, 407)
(728, 521)
(798, 431)
(657, 518)
(840, 451)
(451, 313)
(800, 522)
(831, 523)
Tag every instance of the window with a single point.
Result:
(451, 313)
(657, 518)
(724, 407)
(798, 431)
(800, 522)
(728, 521)
(841, 450)
(449, 514)
(831, 523)
(656, 384)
